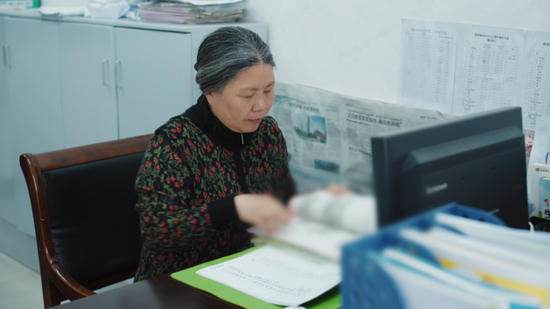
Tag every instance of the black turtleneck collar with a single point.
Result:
(201, 115)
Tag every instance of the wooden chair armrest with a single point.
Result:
(66, 284)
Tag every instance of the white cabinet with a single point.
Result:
(87, 56)
(153, 78)
(75, 81)
(124, 89)
(115, 84)
(7, 195)
(35, 99)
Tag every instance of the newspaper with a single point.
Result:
(328, 134)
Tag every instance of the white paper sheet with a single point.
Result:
(540, 155)
(352, 212)
(536, 73)
(428, 52)
(541, 147)
(487, 68)
(316, 237)
(464, 68)
(276, 276)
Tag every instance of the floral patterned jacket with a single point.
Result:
(191, 171)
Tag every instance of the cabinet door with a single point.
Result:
(7, 195)
(35, 99)
(88, 92)
(153, 76)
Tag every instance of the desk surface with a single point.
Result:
(158, 292)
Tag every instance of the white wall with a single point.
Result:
(352, 46)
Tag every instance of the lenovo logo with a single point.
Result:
(434, 189)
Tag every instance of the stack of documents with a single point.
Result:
(193, 11)
(453, 262)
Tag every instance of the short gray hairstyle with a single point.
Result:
(225, 53)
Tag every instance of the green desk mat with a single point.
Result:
(329, 300)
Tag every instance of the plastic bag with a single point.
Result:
(108, 9)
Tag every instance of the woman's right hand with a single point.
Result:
(262, 211)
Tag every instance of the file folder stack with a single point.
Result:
(451, 257)
(192, 12)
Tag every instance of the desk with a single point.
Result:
(159, 292)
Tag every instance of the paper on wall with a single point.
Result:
(541, 145)
(488, 68)
(535, 97)
(488, 63)
(428, 52)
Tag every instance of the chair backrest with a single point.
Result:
(87, 228)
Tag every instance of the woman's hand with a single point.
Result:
(262, 211)
(337, 190)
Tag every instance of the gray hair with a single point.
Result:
(225, 53)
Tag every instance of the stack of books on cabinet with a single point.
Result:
(192, 11)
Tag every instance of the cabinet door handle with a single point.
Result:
(6, 55)
(117, 74)
(105, 67)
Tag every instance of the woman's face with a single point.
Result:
(245, 100)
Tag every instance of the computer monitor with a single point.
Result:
(476, 160)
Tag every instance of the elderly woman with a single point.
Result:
(218, 168)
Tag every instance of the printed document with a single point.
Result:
(487, 73)
(276, 276)
(535, 71)
(427, 64)
(464, 68)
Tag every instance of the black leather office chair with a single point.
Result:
(87, 229)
